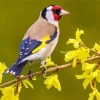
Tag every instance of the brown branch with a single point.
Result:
(47, 71)
(96, 52)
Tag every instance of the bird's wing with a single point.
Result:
(30, 46)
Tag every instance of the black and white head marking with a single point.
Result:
(53, 13)
(47, 12)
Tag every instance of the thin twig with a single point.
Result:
(96, 52)
(94, 83)
(47, 71)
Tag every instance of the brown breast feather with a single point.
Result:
(40, 29)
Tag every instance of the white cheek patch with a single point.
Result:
(49, 8)
(49, 16)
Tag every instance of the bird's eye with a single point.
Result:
(56, 11)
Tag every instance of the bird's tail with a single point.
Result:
(16, 68)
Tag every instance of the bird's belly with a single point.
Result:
(46, 51)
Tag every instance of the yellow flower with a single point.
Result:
(98, 77)
(2, 69)
(87, 80)
(4, 97)
(49, 62)
(19, 88)
(53, 81)
(74, 62)
(87, 66)
(93, 94)
(88, 76)
(27, 83)
(77, 54)
(76, 42)
(70, 55)
(34, 78)
(9, 92)
(16, 97)
(78, 34)
(96, 47)
(82, 54)
(84, 75)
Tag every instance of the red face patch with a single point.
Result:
(56, 7)
(56, 12)
(56, 17)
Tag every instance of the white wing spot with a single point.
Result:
(30, 43)
(11, 72)
(26, 53)
(27, 48)
(14, 73)
(7, 71)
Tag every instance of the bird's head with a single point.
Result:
(53, 13)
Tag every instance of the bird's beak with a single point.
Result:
(63, 12)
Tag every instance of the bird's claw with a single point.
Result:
(30, 74)
(44, 70)
(18, 77)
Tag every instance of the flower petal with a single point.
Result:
(78, 34)
(74, 62)
(70, 55)
(57, 83)
(71, 41)
(96, 47)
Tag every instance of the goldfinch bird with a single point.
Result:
(40, 39)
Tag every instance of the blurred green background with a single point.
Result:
(16, 16)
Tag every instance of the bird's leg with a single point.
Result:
(30, 72)
(30, 63)
(43, 67)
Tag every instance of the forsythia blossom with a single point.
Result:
(96, 47)
(53, 81)
(49, 62)
(9, 93)
(93, 94)
(91, 70)
(77, 55)
(76, 42)
(27, 83)
(3, 67)
(89, 74)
